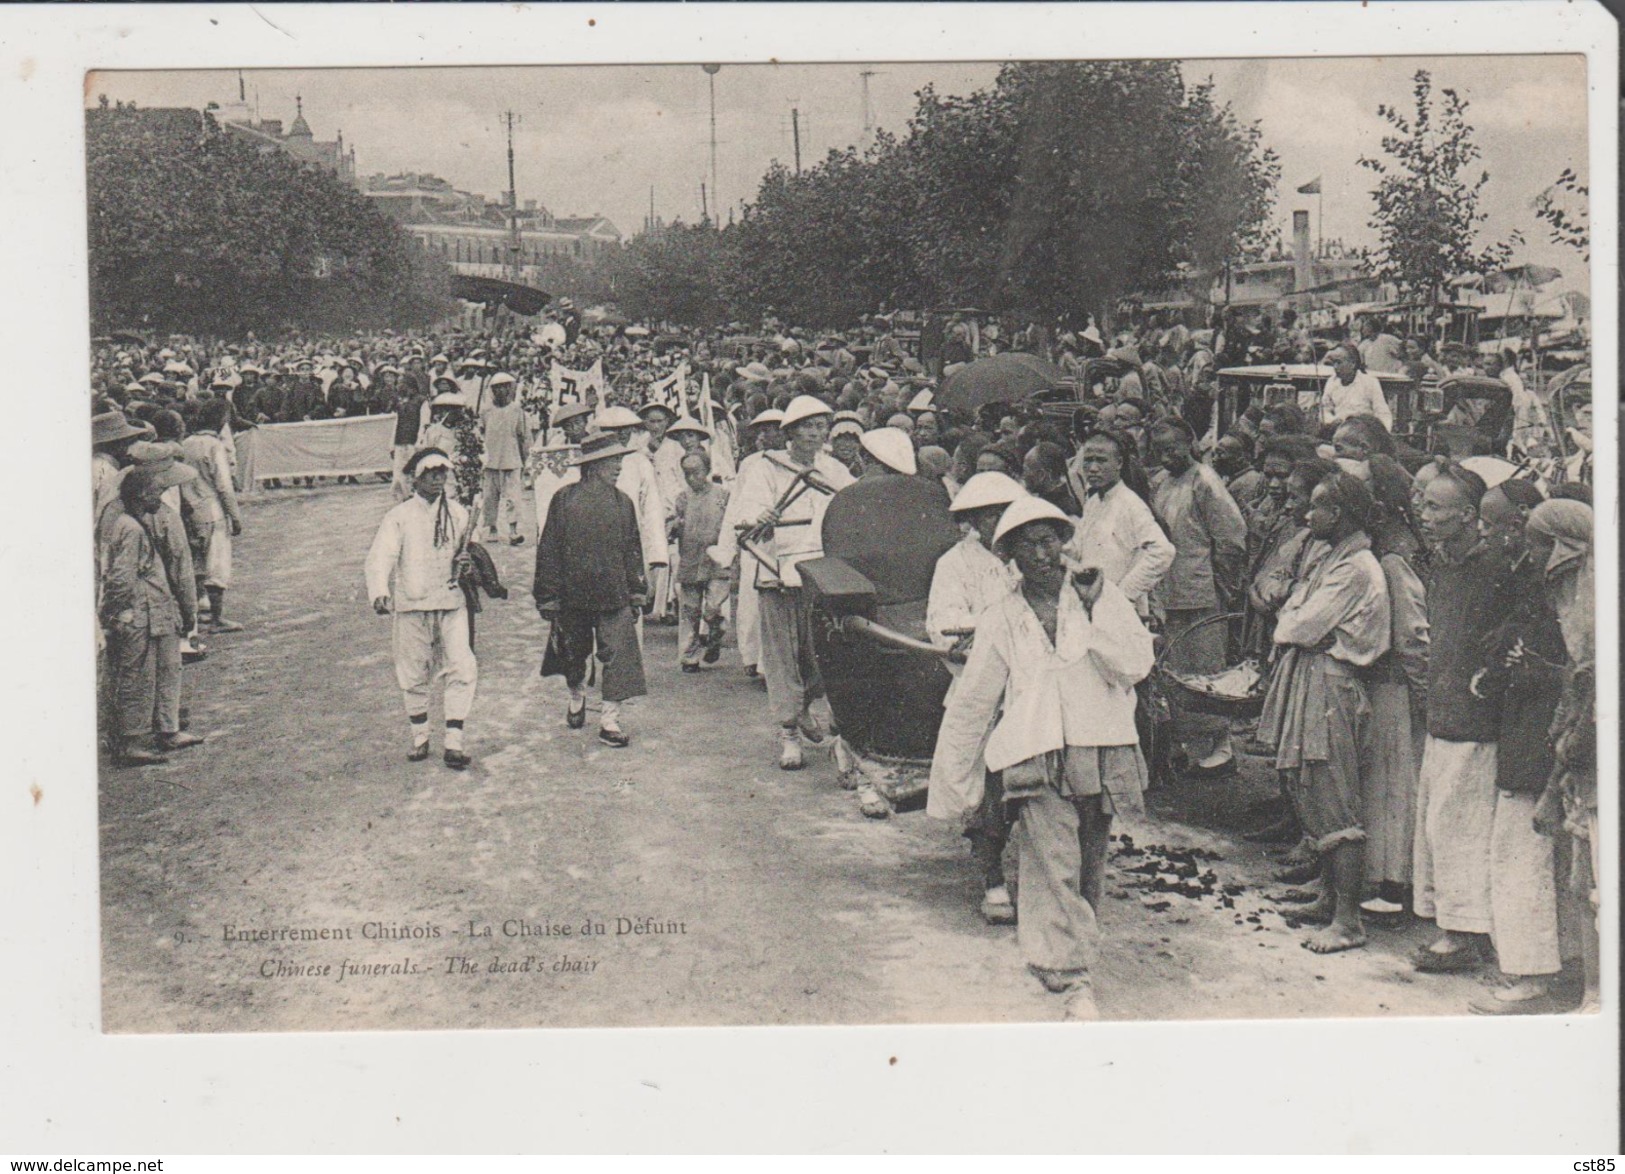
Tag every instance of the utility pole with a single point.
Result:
(868, 111)
(711, 78)
(705, 212)
(651, 207)
(514, 268)
(795, 131)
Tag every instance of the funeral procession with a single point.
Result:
(1023, 542)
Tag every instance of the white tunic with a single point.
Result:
(760, 485)
(638, 481)
(1363, 397)
(968, 580)
(1077, 692)
(1119, 534)
(405, 564)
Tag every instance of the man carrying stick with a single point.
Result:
(413, 569)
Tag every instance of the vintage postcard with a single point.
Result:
(766, 539)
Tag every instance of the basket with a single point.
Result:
(1192, 700)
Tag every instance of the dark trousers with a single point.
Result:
(616, 635)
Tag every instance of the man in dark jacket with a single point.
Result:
(590, 584)
(1467, 596)
(1522, 669)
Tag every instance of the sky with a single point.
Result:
(595, 139)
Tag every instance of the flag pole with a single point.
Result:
(1320, 219)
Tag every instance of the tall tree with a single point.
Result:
(1427, 203)
(1054, 191)
(1565, 207)
(193, 230)
(673, 273)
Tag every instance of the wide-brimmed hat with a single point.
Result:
(805, 407)
(599, 446)
(844, 427)
(617, 417)
(921, 402)
(687, 424)
(439, 379)
(892, 448)
(1024, 510)
(986, 489)
(755, 372)
(448, 399)
(571, 411)
(160, 460)
(655, 405)
(108, 427)
(152, 377)
(767, 416)
(501, 378)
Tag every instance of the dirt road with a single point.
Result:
(295, 872)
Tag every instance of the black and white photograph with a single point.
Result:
(1077, 539)
(910, 543)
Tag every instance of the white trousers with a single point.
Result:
(748, 620)
(1523, 889)
(1455, 817)
(418, 637)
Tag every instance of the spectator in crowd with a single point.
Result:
(506, 449)
(145, 582)
(216, 518)
(1351, 391)
(1317, 715)
(1467, 593)
(1380, 352)
(1210, 552)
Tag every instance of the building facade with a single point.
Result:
(473, 235)
(240, 121)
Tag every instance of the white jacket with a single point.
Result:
(1077, 692)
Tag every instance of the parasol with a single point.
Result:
(521, 299)
(998, 379)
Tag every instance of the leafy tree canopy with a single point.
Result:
(1427, 201)
(193, 230)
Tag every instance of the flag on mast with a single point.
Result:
(1312, 188)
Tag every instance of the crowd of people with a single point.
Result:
(1422, 619)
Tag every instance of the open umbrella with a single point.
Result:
(998, 379)
(521, 299)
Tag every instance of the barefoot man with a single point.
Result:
(1316, 713)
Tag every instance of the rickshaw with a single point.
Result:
(1301, 384)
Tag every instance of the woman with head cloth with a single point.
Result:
(1520, 675)
(1559, 534)
(1397, 684)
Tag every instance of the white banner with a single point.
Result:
(570, 387)
(324, 448)
(671, 391)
